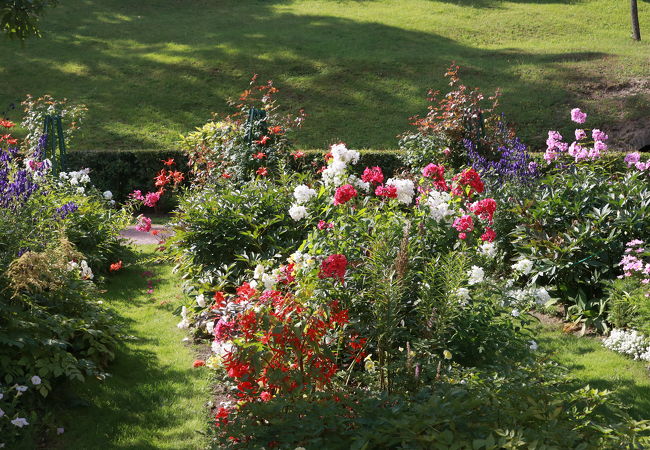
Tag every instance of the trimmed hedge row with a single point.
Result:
(122, 171)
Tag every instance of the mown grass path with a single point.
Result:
(154, 398)
(591, 363)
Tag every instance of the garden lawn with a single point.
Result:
(593, 364)
(149, 70)
(154, 397)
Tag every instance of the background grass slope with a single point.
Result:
(152, 69)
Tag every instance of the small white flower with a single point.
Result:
(253, 284)
(259, 271)
(21, 388)
(20, 422)
(200, 300)
(80, 190)
(476, 275)
(533, 345)
(60, 430)
(268, 280)
(297, 212)
(463, 295)
(108, 195)
(515, 313)
(183, 324)
(86, 272)
(2, 413)
(36, 380)
(1, 395)
(438, 203)
(209, 327)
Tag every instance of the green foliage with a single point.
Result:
(221, 229)
(523, 406)
(629, 307)
(19, 19)
(575, 227)
(418, 149)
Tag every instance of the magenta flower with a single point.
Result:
(144, 224)
(632, 158)
(578, 116)
(580, 134)
(598, 135)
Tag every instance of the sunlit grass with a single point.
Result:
(149, 70)
(154, 397)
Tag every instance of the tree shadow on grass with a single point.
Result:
(171, 76)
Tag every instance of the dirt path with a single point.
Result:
(141, 237)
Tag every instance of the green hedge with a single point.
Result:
(123, 171)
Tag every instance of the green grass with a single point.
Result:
(154, 398)
(152, 69)
(593, 364)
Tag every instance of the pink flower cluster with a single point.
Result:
(144, 224)
(373, 175)
(634, 159)
(631, 262)
(150, 199)
(581, 148)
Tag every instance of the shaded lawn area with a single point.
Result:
(149, 70)
(593, 364)
(154, 397)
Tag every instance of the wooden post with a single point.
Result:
(634, 11)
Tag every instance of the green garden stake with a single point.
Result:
(53, 131)
(255, 116)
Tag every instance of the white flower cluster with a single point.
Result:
(86, 271)
(628, 342)
(200, 300)
(523, 266)
(335, 173)
(405, 189)
(476, 275)
(535, 294)
(463, 296)
(298, 212)
(438, 203)
(185, 323)
(301, 261)
(303, 194)
(76, 178)
(488, 249)
(268, 279)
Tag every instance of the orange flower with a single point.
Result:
(275, 130)
(6, 123)
(259, 155)
(169, 162)
(298, 154)
(263, 140)
(116, 266)
(199, 363)
(226, 175)
(262, 171)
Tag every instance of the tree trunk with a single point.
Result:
(636, 31)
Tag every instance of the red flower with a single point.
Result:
(259, 155)
(275, 130)
(7, 123)
(262, 171)
(489, 235)
(484, 209)
(328, 156)
(334, 266)
(462, 236)
(263, 140)
(155, 232)
(178, 177)
(322, 225)
(198, 363)
(226, 175)
(344, 194)
(298, 154)
(266, 396)
(386, 191)
(169, 162)
(464, 223)
(372, 175)
(468, 177)
(219, 298)
(163, 178)
(221, 418)
(437, 174)
(116, 266)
